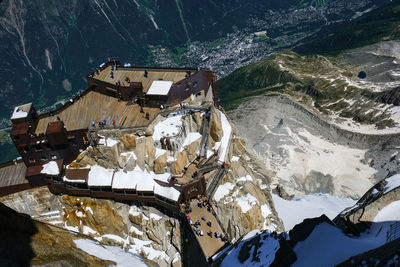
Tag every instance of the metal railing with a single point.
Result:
(394, 232)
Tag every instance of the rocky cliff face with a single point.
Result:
(141, 230)
(243, 201)
(26, 242)
(365, 233)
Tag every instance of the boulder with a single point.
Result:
(179, 164)
(160, 164)
(109, 157)
(128, 141)
(104, 156)
(301, 231)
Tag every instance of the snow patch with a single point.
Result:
(223, 190)
(390, 212)
(115, 254)
(296, 210)
(226, 136)
(266, 252)
(246, 202)
(392, 183)
(155, 217)
(245, 178)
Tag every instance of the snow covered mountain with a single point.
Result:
(321, 242)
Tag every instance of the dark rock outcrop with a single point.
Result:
(301, 231)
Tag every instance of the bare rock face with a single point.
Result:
(216, 127)
(104, 156)
(243, 201)
(128, 141)
(24, 242)
(141, 230)
(82, 161)
(145, 152)
(178, 165)
(198, 119)
(191, 149)
(160, 164)
(127, 162)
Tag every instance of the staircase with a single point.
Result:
(215, 182)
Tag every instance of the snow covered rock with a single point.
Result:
(240, 202)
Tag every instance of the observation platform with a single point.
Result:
(136, 74)
(95, 106)
(209, 245)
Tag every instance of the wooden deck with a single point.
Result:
(209, 245)
(138, 76)
(97, 107)
(12, 174)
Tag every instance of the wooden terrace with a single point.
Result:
(95, 106)
(12, 174)
(137, 75)
(209, 245)
(12, 178)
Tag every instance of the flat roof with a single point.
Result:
(99, 176)
(21, 111)
(160, 88)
